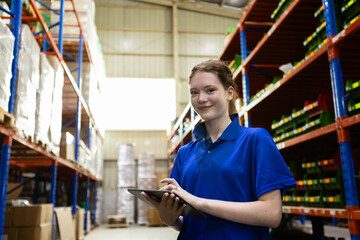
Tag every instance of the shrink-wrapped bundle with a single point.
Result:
(6, 52)
(126, 179)
(27, 83)
(56, 110)
(44, 101)
(146, 180)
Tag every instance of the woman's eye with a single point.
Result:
(193, 93)
(210, 90)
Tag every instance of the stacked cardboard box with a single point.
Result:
(126, 179)
(6, 52)
(29, 222)
(146, 180)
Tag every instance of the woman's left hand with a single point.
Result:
(176, 188)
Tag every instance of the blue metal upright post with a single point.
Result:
(53, 196)
(87, 205)
(337, 82)
(245, 77)
(61, 26)
(4, 170)
(77, 124)
(95, 202)
(16, 9)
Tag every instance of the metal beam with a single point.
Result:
(199, 7)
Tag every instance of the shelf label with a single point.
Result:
(310, 182)
(327, 180)
(286, 210)
(312, 199)
(300, 183)
(308, 165)
(331, 199)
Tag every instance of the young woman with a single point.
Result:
(232, 173)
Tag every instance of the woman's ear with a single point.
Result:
(230, 93)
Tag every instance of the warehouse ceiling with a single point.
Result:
(227, 8)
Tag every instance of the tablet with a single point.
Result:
(189, 211)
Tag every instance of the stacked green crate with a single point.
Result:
(352, 88)
(300, 122)
(283, 5)
(314, 193)
(235, 63)
(318, 38)
(350, 11)
(267, 87)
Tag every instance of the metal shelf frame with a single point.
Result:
(342, 121)
(43, 158)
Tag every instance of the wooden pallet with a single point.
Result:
(6, 119)
(117, 225)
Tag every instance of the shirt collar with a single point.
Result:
(230, 132)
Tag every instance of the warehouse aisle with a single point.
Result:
(135, 232)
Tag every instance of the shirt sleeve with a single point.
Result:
(272, 173)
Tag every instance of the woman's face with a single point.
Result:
(208, 96)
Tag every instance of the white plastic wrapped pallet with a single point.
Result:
(6, 52)
(146, 180)
(27, 83)
(126, 179)
(56, 110)
(44, 101)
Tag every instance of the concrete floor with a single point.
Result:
(134, 232)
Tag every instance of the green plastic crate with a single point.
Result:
(350, 10)
(283, 5)
(334, 199)
(331, 181)
(314, 199)
(310, 166)
(354, 107)
(316, 39)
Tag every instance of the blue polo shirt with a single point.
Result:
(243, 164)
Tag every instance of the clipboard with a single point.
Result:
(189, 211)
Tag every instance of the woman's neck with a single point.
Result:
(215, 128)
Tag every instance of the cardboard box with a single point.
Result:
(15, 194)
(65, 223)
(8, 216)
(154, 218)
(32, 216)
(10, 233)
(67, 146)
(79, 224)
(42, 232)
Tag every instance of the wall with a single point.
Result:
(145, 141)
(143, 40)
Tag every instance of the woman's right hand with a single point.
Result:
(169, 208)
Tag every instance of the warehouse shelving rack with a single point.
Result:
(281, 43)
(20, 153)
(265, 45)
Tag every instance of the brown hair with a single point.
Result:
(224, 74)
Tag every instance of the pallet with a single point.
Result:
(6, 119)
(41, 144)
(117, 225)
